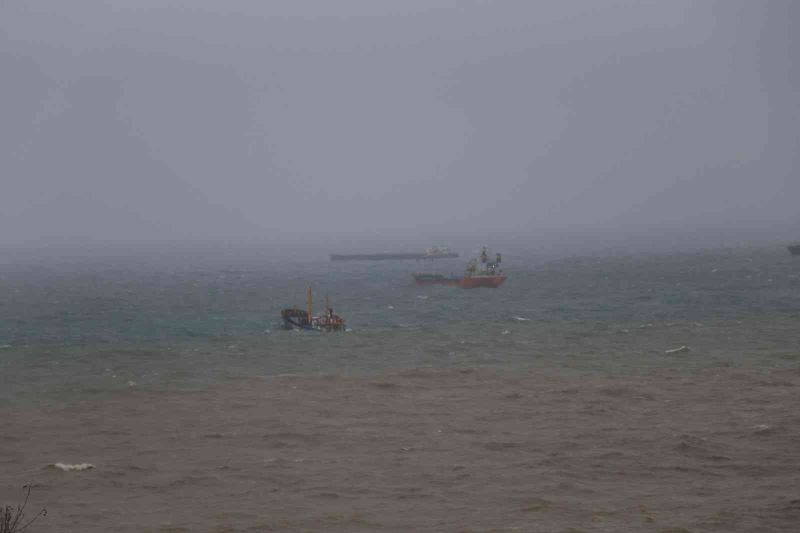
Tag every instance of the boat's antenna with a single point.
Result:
(309, 303)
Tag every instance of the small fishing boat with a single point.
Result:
(304, 319)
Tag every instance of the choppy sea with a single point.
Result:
(95, 324)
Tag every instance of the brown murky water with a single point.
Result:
(715, 449)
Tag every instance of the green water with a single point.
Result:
(101, 324)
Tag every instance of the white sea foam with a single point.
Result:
(74, 467)
(682, 349)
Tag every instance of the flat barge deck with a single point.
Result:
(391, 256)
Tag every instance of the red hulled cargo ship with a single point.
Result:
(480, 273)
(482, 280)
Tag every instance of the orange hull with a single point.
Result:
(473, 282)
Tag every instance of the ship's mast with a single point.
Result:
(309, 303)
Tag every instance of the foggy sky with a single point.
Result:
(151, 119)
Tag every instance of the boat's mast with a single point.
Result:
(309, 303)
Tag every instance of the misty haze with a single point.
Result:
(153, 120)
(377, 265)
